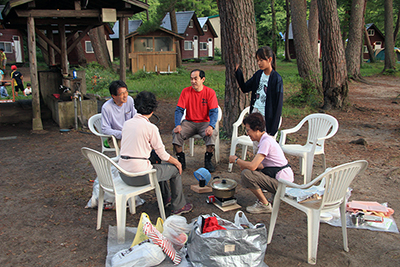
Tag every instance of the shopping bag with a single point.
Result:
(231, 247)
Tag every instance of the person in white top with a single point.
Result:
(117, 110)
(267, 167)
(28, 89)
(139, 137)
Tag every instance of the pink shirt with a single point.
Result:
(274, 157)
(139, 137)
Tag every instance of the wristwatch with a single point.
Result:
(236, 159)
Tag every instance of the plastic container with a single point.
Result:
(202, 174)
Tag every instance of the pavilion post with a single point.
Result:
(122, 49)
(36, 115)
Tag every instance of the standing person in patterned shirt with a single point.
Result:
(201, 105)
(266, 87)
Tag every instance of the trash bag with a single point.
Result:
(231, 247)
(176, 230)
(145, 254)
(109, 199)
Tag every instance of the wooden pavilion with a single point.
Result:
(72, 16)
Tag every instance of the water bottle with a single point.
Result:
(74, 75)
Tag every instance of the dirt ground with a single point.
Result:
(45, 186)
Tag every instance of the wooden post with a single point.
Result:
(64, 58)
(122, 51)
(36, 116)
(52, 58)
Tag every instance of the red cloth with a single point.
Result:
(198, 104)
(211, 224)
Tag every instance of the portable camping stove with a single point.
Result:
(223, 202)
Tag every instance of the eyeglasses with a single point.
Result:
(123, 93)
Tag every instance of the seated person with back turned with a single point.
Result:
(116, 111)
(139, 137)
(201, 106)
(267, 167)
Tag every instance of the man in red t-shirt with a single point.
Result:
(201, 105)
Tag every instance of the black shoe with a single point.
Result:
(207, 162)
(181, 159)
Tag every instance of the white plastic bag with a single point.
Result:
(242, 221)
(145, 254)
(109, 199)
(176, 230)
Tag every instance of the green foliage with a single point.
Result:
(203, 8)
(99, 78)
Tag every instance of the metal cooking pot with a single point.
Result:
(223, 188)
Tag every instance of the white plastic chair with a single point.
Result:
(320, 127)
(94, 124)
(123, 192)
(336, 181)
(243, 140)
(191, 139)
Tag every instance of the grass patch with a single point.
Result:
(169, 86)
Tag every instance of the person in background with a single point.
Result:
(3, 60)
(116, 111)
(267, 167)
(139, 137)
(3, 90)
(266, 87)
(28, 89)
(18, 80)
(201, 105)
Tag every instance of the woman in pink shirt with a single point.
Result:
(268, 166)
(139, 137)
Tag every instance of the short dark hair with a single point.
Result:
(201, 73)
(115, 85)
(1, 49)
(255, 121)
(145, 103)
(28, 84)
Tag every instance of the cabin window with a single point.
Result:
(143, 44)
(203, 46)
(191, 24)
(371, 32)
(163, 44)
(188, 45)
(365, 49)
(205, 27)
(89, 47)
(7, 47)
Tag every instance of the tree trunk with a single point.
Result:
(355, 39)
(306, 66)
(390, 62)
(313, 27)
(239, 44)
(369, 46)
(396, 30)
(287, 53)
(97, 38)
(334, 71)
(273, 17)
(174, 27)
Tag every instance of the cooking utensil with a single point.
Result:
(223, 187)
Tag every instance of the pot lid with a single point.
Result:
(224, 184)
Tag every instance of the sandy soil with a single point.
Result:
(44, 187)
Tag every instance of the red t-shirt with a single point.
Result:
(198, 104)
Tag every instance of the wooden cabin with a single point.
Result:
(154, 51)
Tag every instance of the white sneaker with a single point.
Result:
(259, 207)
